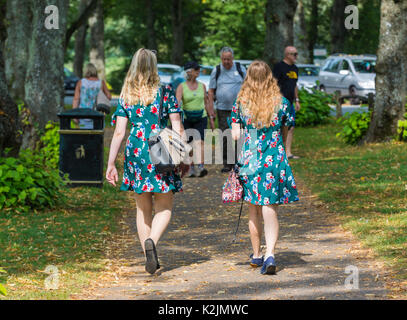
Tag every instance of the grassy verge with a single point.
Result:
(366, 186)
(71, 237)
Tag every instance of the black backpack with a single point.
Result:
(239, 69)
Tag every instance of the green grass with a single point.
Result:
(366, 186)
(71, 237)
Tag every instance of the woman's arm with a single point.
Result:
(118, 135)
(179, 93)
(235, 131)
(106, 90)
(77, 95)
(206, 102)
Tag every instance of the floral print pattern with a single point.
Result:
(139, 173)
(264, 170)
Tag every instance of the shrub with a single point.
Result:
(402, 129)
(3, 290)
(355, 126)
(49, 146)
(315, 108)
(32, 181)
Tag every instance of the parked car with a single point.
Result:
(204, 77)
(70, 80)
(244, 63)
(352, 75)
(307, 76)
(166, 72)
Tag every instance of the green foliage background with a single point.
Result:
(210, 25)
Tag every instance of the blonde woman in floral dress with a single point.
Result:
(267, 179)
(139, 104)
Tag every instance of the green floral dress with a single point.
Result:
(263, 166)
(139, 172)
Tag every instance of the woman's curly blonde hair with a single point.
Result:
(142, 80)
(260, 95)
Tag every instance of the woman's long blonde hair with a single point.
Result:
(260, 95)
(142, 80)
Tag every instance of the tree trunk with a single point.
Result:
(338, 30)
(9, 120)
(80, 43)
(16, 46)
(152, 40)
(178, 33)
(279, 20)
(391, 69)
(300, 37)
(313, 31)
(44, 89)
(97, 44)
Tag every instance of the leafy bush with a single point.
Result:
(32, 181)
(3, 290)
(402, 129)
(314, 108)
(354, 126)
(49, 146)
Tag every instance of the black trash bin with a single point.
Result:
(81, 150)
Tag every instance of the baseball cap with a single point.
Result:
(192, 65)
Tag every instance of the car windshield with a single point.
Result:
(308, 71)
(206, 71)
(364, 66)
(163, 71)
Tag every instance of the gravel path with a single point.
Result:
(199, 260)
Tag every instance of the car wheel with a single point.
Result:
(352, 92)
(322, 88)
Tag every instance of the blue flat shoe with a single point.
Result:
(269, 266)
(256, 262)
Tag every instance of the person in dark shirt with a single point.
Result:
(286, 73)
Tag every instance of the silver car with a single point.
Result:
(307, 76)
(165, 72)
(352, 75)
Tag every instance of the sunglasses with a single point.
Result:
(295, 54)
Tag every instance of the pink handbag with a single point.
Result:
(233, 192)
(232, 189)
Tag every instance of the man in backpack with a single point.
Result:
(226, 80)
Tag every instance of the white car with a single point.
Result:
(166, 71)
(352, 75)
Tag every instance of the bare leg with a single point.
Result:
(271, 228)
(289, 142)
(144, 204)
(284, 132)
(255, 228)
(163, 208)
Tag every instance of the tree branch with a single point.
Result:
(81, 20)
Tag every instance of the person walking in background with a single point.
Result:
(264, 170)
(192, 94)
(139, 103)
(226, 80)
(86, 92)
(286, 72)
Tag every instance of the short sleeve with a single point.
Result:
(235, 115)
(120, 112)
(212, 81)
(170, 102)
(277, 71)
(288, 114)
